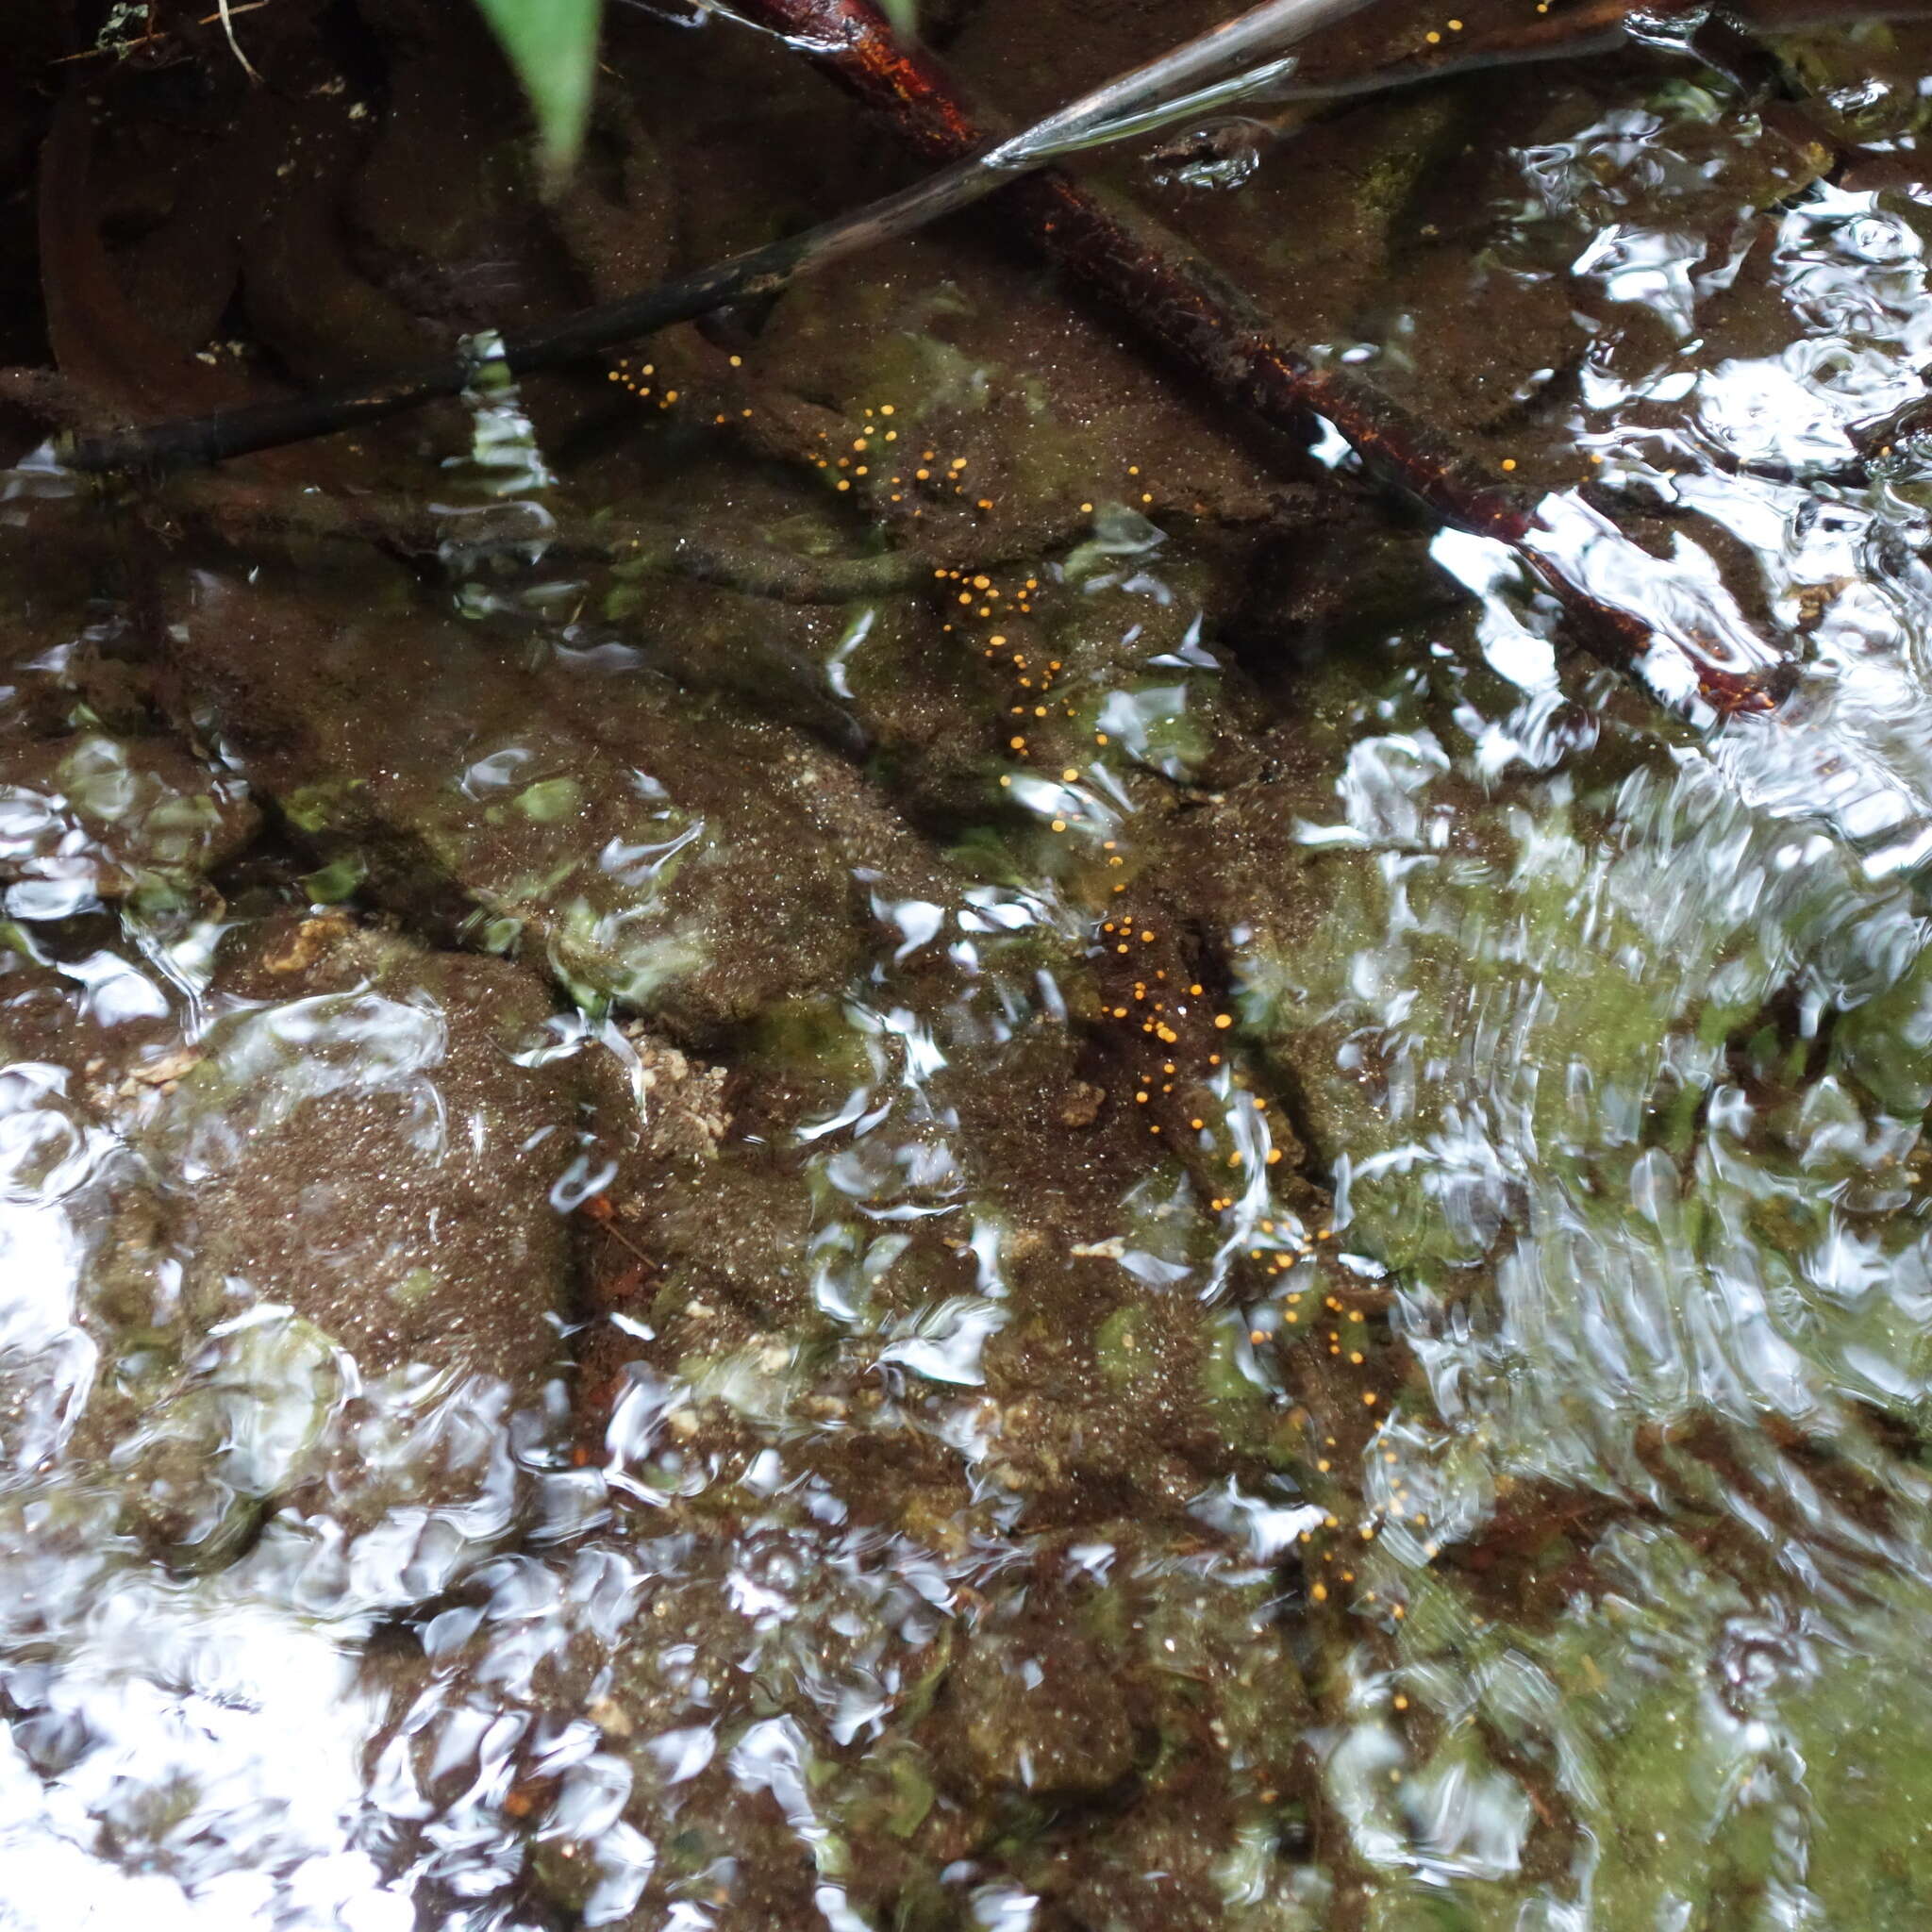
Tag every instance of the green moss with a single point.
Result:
(321, 806)
(339, 880)
(1225, 1383)
(1122, 1346)
(550, 799)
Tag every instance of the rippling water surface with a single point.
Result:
(1109, 1286)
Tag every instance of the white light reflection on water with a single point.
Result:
(217, 1747)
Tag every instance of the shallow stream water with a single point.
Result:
(1177, 1228)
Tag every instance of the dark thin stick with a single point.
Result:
(1585, 28)
(1137, 99)
(225, 433)
(220, 435)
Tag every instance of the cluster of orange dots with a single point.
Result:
(1340, 1340)
(872, 449)
(873, 442)
(1279, 1261)
(1434, 39)
(1148, 1008)
(980, 593)
(1146, 495)
(1366, 1533)
(1033, 678)
(640, 383)
(975, 596)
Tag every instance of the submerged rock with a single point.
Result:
(687, 861)
(96, 818)
(330, 1267)
(358, 1142)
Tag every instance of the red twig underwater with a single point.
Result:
(1672, 620)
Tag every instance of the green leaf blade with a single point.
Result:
(551, 48)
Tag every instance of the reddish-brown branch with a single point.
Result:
(1629, 605)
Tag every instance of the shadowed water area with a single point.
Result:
(863, 1124)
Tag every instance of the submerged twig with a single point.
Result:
(227, 19)
(1581, 30)
(1121, 108)
(1170, 85)
(1578, 32)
